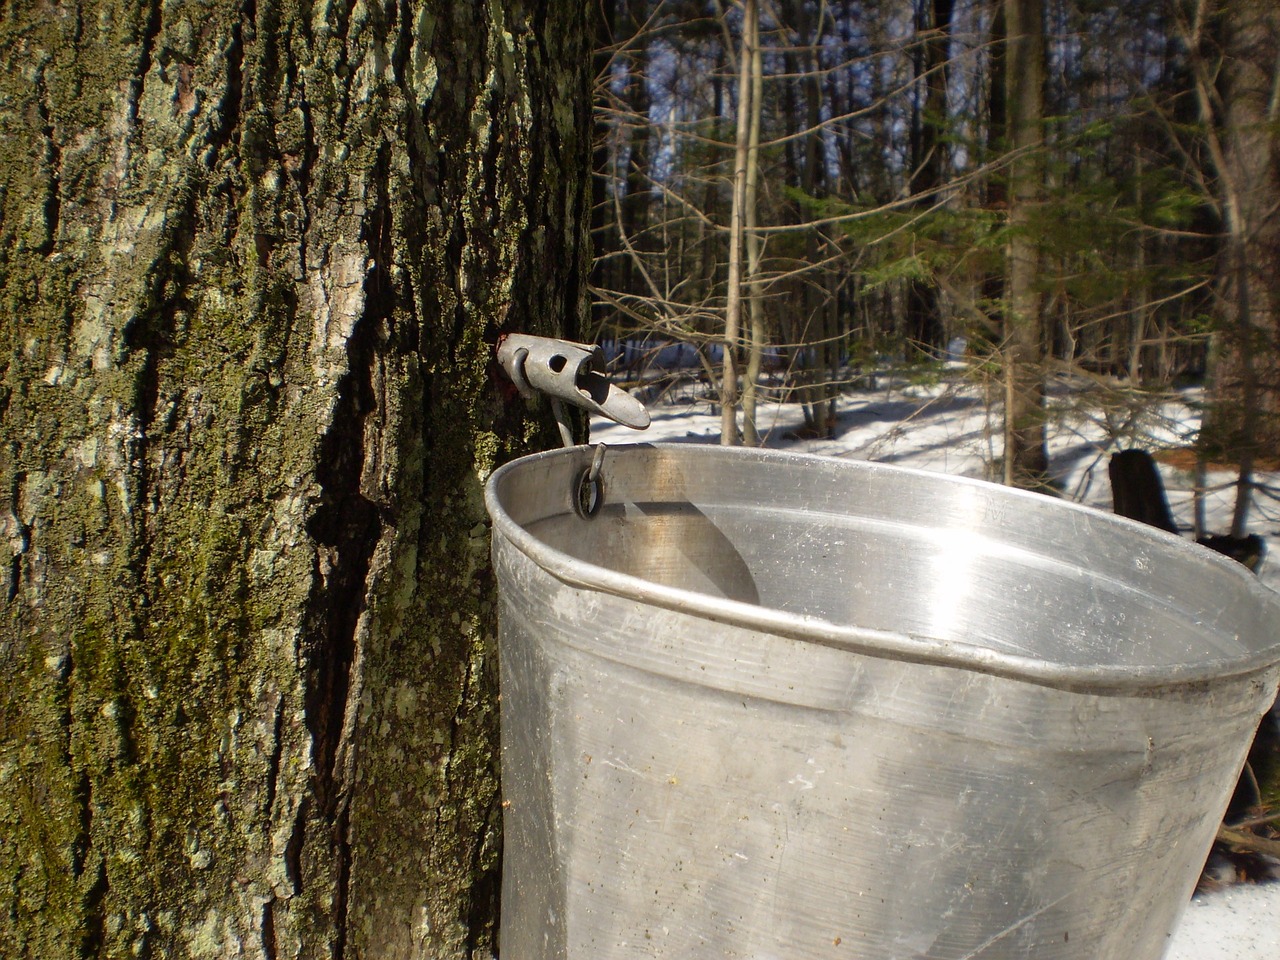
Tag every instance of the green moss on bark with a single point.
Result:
(253, 271)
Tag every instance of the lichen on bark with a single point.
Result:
(251, 269)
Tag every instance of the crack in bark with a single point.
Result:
(342, 68)
(15, 576)
(484, 898)
(95, 929)
(151, 333)
(219, 135)
(22, 530)
(273, 762)
(83, 843)
(347, 527)
(146, 48)
(343, 832)
(302, 174)
(293, 849)
(401, 59)
(482, 907)
(53, 157)
(94, 912)
(269, 950)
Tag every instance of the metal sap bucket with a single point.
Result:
(781, 707)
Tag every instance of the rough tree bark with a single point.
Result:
(253, 260)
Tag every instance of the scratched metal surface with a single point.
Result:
(779, 707)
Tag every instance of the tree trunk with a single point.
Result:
(925, 333)
(253, 261)
(995, 189)
(813, 314)
(605, 143)
(1240, 104)
(1026, 457)
(729, 390)
(753, 243)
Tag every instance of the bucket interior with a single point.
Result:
(929, 558)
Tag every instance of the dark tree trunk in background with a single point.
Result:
(635, 176)
(604, 234)
(1244, 419)
(996, 188)
(1026, 454)
(933, 25)
(253, 259)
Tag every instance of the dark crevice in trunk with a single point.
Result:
(342, 833)
(484, 903)
(153, 334)
(95, 917)
(227, 123)
(53, 159)
(146, 397)
(146, 47)
(83, 842)
(400, 29)
(92, 906)
(302, 175)
(24, 531)
(126, 718)
(269, 929)
(482, 908)
(273, 764)
(346, 526)
(293, 849)
(342, 68)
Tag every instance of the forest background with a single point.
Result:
(1056, 190)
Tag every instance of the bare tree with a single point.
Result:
(745, 172)
(1235, 56)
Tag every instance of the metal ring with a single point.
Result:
(597, 462)
(587, 494)
(516, 372)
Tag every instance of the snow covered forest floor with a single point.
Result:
(946, 422)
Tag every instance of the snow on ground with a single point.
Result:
(947, 425)
(1236, 923)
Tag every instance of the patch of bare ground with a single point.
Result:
(1184, 458)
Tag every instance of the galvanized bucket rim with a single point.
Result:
(908, 647)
